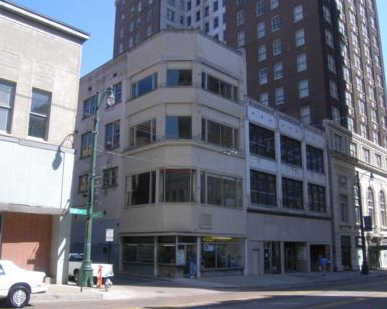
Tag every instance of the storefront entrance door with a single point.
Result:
(374, 258)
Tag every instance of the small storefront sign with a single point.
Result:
(208, 248)
(301, 253)
(109, 235)
(181, 257)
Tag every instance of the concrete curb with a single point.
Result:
(70, 293)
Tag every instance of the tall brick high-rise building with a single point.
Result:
(314, 60)
(137, 20)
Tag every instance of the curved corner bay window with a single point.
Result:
(7, 97)
(262, 141)
(290, 151)
(221, 253)
(177, 185)
(221, 190)
(143, 133)
(292, 194)
(316, 197)
(39, 113)
(179, 78)
(263, 189)
(178, 127)
(144, 86)
(141, 189)
(219, 87)
(219, 134)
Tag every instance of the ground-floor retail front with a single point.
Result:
(276, 257)
(350, 254)
(183, 255)
(287, 242)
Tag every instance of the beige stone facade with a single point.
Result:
(174, 87)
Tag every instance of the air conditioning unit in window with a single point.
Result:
(206, 221)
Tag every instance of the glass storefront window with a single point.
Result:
(222, 254)
(138, 249)
(166, 253)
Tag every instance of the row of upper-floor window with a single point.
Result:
(174, 78)
(181, 185)
(356, 53)
(301, 65)
(180, 4)
(263, 192)
(263, 143)
(174, 186)
(176, 127)
(261, 32)
(360, 152)
(279, 92)
(39, 110)
(215, 4)
(298, 15)
(345, 210)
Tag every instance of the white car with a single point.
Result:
(17, 284)
(75, 263)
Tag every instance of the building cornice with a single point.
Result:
(44, 20)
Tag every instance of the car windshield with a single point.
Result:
(76, 257)
(10, 267)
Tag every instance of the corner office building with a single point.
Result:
(171, 156)
(40, 61)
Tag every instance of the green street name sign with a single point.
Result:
(78, 211)
(98, 214)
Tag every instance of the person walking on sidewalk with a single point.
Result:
(323, 264)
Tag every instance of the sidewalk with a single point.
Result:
(130, 287)
(269, 281)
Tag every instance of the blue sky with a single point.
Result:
(97, 18)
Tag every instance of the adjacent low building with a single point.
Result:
(40, 61)
(289, 215)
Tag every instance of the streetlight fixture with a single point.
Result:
(364, 267)
(86, 271)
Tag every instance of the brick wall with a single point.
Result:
(26, 240)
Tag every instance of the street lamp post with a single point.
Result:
(86, 271)
(364, 267)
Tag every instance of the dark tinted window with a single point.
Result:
(179, 78)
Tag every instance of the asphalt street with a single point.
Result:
(369, 293)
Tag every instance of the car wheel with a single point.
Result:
(18, 296)
(76, 275)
